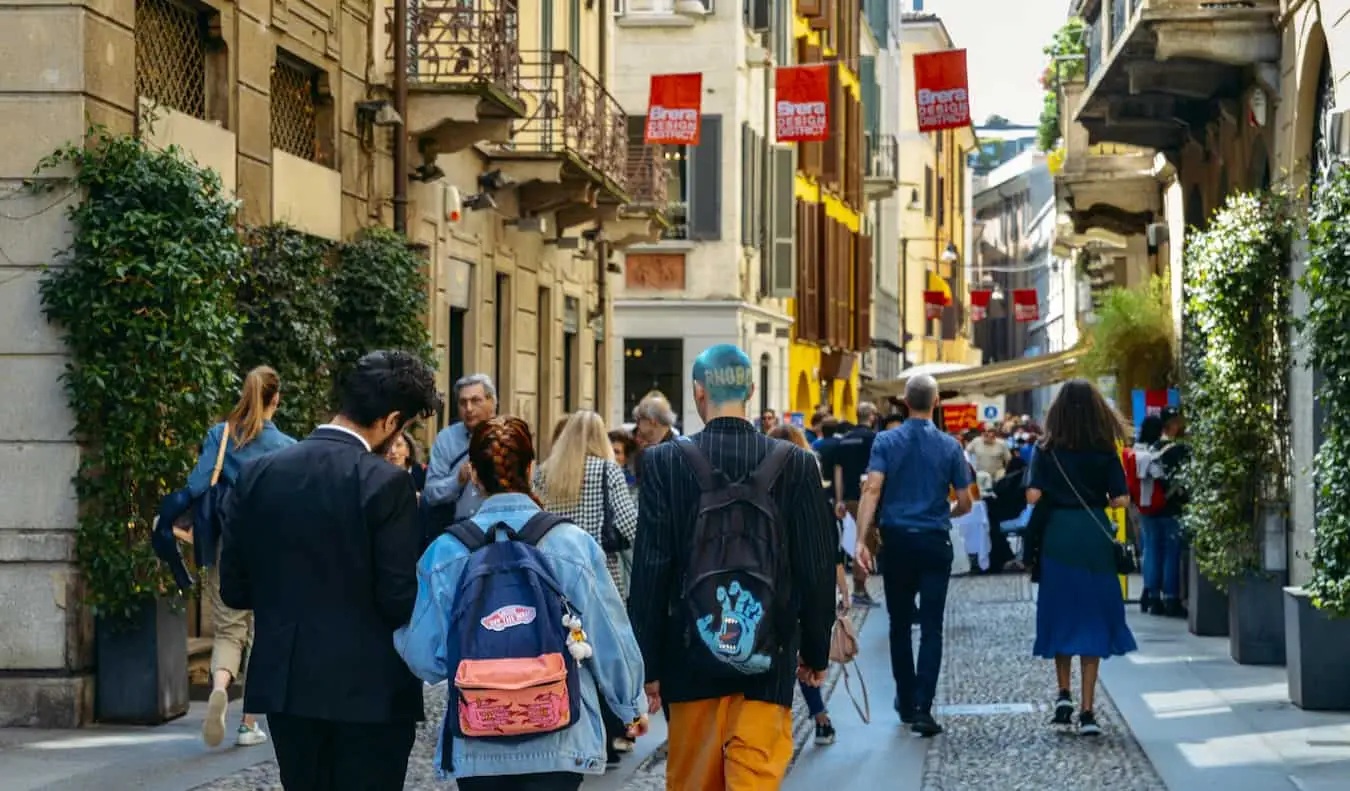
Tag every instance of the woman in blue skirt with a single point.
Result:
(1076, 474)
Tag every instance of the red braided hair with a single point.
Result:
(501, 451)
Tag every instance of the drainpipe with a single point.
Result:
(766, 245)
(401, 107)
(601, 245)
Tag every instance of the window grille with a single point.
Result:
(171, 56)
(294, 106)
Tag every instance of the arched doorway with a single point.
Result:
(801, 401)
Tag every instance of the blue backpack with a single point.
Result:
(514, 677)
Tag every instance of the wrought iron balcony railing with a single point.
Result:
(470, 43)
(883, 156)
(648, 175)
(569, 112)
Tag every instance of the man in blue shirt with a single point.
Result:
(448, 482)
(923, 466)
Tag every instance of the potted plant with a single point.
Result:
(1237, 364)
(143, 299)
(1317, 618)
(1132, 339)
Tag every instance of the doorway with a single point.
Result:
(653, 364)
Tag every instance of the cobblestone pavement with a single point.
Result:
(990, 626)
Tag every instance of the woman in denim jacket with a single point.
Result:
(501, 458)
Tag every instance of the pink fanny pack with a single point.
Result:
(513, 697)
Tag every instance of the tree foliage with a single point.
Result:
(1237, 361)
(1066, 53)
(1133, 339)
(381, 298)
(144, 298)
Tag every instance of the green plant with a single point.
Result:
(1132, 339)
(381, 298)
(1067, 52)
(1326, 328)
(1237, 362)
(144, 299)
(287, 299)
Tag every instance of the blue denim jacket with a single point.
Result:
(578, 565)
(269, 439)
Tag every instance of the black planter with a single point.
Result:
(1316, 646)
(1256, 619)
(1206, 604)
(141, 676)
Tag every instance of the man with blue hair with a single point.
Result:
(732, 597)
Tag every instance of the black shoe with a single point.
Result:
(824, 733)
(925, 725)
(906, 712)
(1146, 601)
(1155, 607)
(1087, 725)
(1063, 709)
(1172, 608)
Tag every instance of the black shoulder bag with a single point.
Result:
(612, 540)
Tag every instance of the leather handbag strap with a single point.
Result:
(865, 709)
(220, 454)
(1111, 534)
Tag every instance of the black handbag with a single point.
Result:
(1125, 560)
(611, 539)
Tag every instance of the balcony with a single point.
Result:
(569, 153)
(1156, 67)
(1107, 186)
(882, 162)
(645, 218)
(463, 72)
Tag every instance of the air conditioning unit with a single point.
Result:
(867, 364)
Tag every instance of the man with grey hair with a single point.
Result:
(448, 481)
(655, 420)
(914, 517)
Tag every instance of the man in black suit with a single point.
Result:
(321, 543)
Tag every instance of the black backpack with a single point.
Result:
(735, 586)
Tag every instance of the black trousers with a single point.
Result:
(322, 755)
(917, 563)
(546, 781)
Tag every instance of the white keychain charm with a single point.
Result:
(576, 638)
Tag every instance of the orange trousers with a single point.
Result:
(728, 744)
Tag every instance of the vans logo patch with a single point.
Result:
(506, 617)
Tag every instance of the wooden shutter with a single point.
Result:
(782, 262)
(808, 291)
(747, 186)
(832, 147)
(705, 182)
(809, 8)
(862, 281)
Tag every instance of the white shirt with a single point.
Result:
(346, 430)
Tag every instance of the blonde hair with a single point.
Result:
(564, 472)
(259, 391)
(790, 433)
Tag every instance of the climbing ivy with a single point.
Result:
(287, 299)
(143, 296)
(1237, 362)
(1326, 328)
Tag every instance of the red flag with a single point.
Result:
(802, 103)
(1026, 305)
(960, 418)
(979, 304)
(933, 302)
(673, 109)
(941, 90)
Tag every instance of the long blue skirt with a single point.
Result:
(1080, 610)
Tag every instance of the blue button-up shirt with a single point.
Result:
(921, 465)
(449, 453)
(615, 670)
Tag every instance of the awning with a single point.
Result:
(1012, 376)
(937, 282)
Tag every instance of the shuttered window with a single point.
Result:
(705, 182)
(807, 308)
(781, 271)
(862, 281)
(752, 184)
(833, 147)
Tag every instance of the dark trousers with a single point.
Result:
(322, 755)
(546, 781)
(615, 728)
(916, 563)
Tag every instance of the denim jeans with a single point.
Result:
(1162, 555)
(916, 562)
(815, 701)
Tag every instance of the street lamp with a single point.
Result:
(949, 255)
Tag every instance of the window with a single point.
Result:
(941, 202)
(546, 25)
(677, 182)
(571, 353)
(502, 339)
(574, 28)
(927, 191)
(653, 364)
(454, 363)
(543, 359)
(295, 109)
(171, 58)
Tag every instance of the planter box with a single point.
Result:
(1317, 647)
(141, 676)
(1206, 604)
(1256, 619)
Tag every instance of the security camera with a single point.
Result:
(479, 201)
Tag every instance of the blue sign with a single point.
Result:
(990, 412)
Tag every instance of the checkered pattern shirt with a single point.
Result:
(589, 513)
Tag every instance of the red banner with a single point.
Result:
(933, 303)
(960, 418)
(942, 92)
(1026, 305)
(979, 304)
(673, 109)
(802, 103)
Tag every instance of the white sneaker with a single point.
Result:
(213, 727)
(250, 735)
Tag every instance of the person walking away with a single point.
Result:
(448, 485)
(514, 597)
(849, 459)
(732, 582)
(247, 433)
(815, 699)
(989, 453)
(321, 542)
(1172, 454)
(1075, 477)
(581, 482)
(909, 476)
(404, 453)
(1142, 479)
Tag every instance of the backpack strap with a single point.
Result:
(771, 466)
(538, 526)
(469, 534)
(703, 469)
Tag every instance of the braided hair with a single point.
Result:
(501, 451)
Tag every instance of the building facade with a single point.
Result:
(289, 104)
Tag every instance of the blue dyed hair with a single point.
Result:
(724, 371)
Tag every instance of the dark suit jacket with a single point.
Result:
(668, 500)
(321, 542)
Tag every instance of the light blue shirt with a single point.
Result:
(448, 454)
(615, 671)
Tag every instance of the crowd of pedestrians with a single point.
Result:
(564, 598)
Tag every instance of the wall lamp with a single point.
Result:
(494, 180)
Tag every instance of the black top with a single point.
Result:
(824, 449)
(668, 500)
(851, 455)
(1096, 475)
(321, 543)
